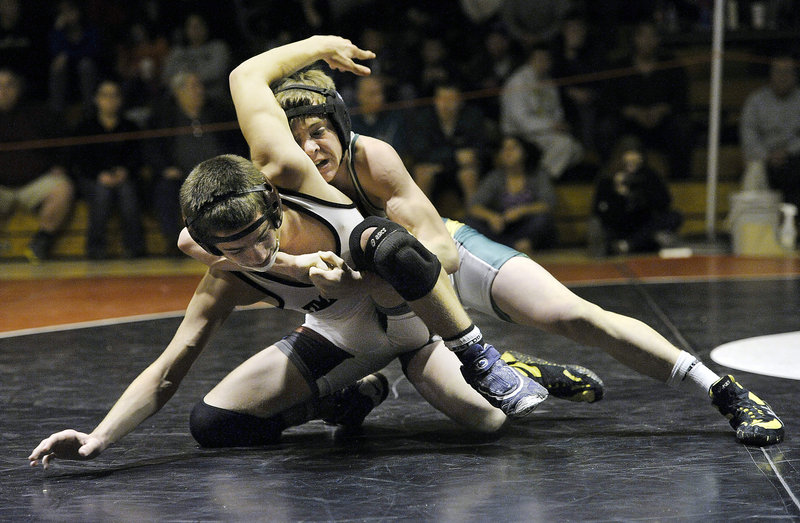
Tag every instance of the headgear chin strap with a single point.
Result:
(274, 214)
(334, 108)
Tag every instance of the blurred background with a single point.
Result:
(105, 105)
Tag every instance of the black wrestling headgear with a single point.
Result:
(274, 213)
(334, 109)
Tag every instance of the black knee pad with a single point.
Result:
(214, 427)
(396, 256)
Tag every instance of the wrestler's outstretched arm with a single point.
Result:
(216, 296)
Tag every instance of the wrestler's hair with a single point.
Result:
(218, 196)
(291, 98)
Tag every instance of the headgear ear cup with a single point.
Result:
(333, 108)
(273, 202)
(209, 248)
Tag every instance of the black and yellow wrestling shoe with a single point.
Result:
(348, 407)
(749, 415)
(569, 382)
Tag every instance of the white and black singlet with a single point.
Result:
(350, 336)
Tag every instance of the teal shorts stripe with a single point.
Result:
(491, 252)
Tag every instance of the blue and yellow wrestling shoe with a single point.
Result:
(348, 407)
(516, 395)
(749, 415)
(568, 382)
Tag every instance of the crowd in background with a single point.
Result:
(490, 103)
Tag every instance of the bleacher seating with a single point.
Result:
(17, 231)
(574, 199)
(689, 197)
(574, 206)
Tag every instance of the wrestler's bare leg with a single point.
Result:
(532, 296)
(265, 384)
(434, 372)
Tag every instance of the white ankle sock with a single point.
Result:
(700, 377)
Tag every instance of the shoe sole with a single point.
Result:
(758, 438)
(748, 432)
(525, 406)
(588, 395)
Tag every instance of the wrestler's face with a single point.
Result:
(318, 139)
(255, 251)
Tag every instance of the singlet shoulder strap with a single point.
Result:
(363, 201)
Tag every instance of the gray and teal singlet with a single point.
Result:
(479, 257)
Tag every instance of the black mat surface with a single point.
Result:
(644, 453)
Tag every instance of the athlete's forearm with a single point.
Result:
(154, 386)
(144, 397)
(211, 304)
(279, 62)
(293, 266)
(419, 217)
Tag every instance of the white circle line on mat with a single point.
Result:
(775, 355)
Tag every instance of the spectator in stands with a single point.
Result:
(434, 65)
(446, 146)
(22, 48)
(652, 101)
(770, 132)
(575, 58)
(530, 107)
(489, 68)
(32, 178)
(392, 63)
(480, 11)
(209, 59)
(75, 54)
(534, 23)
(139, 63)
(107, 173)
(632, 206)
(173, 157)
(372, 118)
(514, 203)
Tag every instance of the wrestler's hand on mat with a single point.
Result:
(67, 444)
(340, 53)
(333, 277)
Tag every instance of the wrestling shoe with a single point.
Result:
(568, 382)
(749, 415)
(348, 407)
(516, 395)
